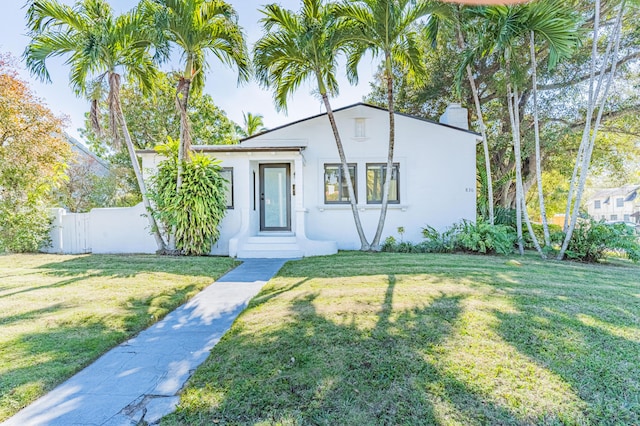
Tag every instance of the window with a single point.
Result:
(614, 217)
(227, 174)
(376, 174)
(360, 130)
(619, 202)
(596, 204)
(336, 184)
(627, 218)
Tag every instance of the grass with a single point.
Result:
(408, 339)
(59, 313)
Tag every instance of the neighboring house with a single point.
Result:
(616, 204)
(86, 158)
(288, 196)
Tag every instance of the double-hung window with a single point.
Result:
(336, 184)
(227, 174)
(376, 173)
(596, 204)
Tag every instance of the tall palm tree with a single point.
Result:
(556, 26)
(507, 28)
(253, 123)
(387, 29)
(98, 48)
(199, 28)
(454, 17)
(597, 97)
(305, 46)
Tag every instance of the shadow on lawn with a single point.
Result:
(352, 376)
(592, 343)
(125, 266)
(38, 361)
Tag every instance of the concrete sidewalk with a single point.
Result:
(140, 379)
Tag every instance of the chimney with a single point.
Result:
(455, 116)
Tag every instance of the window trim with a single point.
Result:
(355, 182)
(230, 206)
(384, 165)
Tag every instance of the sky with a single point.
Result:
(221, 82)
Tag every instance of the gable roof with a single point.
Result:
(354, 106)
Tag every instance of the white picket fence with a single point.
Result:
(111, 230)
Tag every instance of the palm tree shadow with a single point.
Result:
(313, 370)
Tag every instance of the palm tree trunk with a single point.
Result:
(364, 244)
(516, 153)
(182, 103)
(375, 244)
(519, 183)
(536, 128)
(483, 130)
(114, 87)
(584, 168)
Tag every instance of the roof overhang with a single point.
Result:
(234, 148)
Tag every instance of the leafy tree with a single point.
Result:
(198, 28)
(305, 46)
(33, 154)
(152, 117)
(386, 28)
(98, 48)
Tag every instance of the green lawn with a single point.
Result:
(409, 339)
(59, 313)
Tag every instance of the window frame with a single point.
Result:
(620, 202)
(382, 167)
(230, 206)
(613, 217)
(597, 204)
(340, 177)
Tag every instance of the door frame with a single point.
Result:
(261, 168)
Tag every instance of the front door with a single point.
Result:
(275, 197)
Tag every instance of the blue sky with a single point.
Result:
(221, 81)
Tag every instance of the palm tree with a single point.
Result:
(305, 46)
(198, 28)
(253, 123)
(454, 17)
(597, 97)
(509, 26)
(387, 29)
(556, 27)
(98, 48)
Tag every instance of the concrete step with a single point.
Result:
(270, 254)
(275, 239)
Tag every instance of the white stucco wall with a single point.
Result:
(437, 176)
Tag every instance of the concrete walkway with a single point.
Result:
(141, 378)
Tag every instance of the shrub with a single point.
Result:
(482, 237)
(555, 234)
(591, 240)
(23, 228)
(195, 212)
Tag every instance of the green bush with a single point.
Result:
(23, 228)
(591, 240)
(555, 234)
(466, 236)
(195, 212)
(482, 237)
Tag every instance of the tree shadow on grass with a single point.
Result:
(126, 266)
(586, 346)
(312, 370)
(38, 361)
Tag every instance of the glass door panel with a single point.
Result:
(275, 197)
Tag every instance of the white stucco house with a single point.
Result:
(620, 204)
(287, 196)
